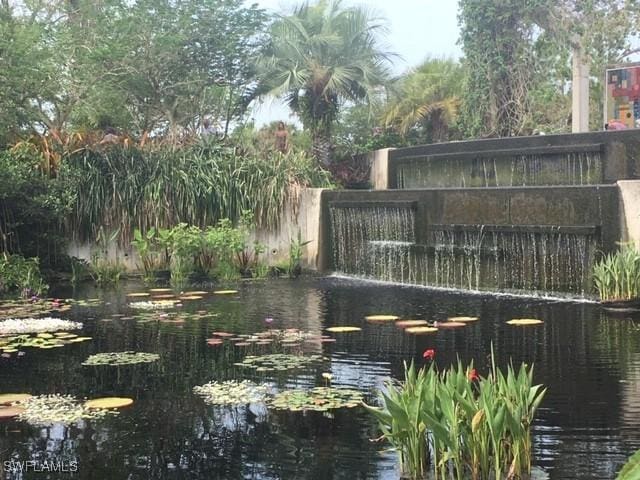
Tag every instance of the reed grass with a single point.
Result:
(617, 275)
(144, 188)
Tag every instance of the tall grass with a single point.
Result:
(460, 425)
(128, 188)
(617, 275)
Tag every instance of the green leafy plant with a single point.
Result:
(631, 470)
(154, 250)
(617, 275)
(459, 424)
(295, 255)
(21, 274)
(103, 270)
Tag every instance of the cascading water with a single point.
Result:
(380, 243)
(373, 241)
(570, 168)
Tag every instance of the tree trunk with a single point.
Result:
(321, 148)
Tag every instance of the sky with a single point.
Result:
(417, 29)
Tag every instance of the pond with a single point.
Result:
(588, 425)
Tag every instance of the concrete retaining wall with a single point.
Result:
(300, 214)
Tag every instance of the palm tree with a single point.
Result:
(430, 93)
(320, 57)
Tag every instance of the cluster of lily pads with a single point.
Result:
(47, 410)
(32, 307)
(232, 392)
(290, 337)
(120, 358)
(279, 362)
(319, 399)
(15, 343)
(423, 327)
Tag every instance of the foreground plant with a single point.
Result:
(459, 424)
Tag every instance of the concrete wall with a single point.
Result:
(630, 210)
(299, 214)
(621, 151)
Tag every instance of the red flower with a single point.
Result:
(473, 375)
(429, 354)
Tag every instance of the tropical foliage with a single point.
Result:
(140, 66)
(144, 188)
(427, 98)
(459, 424)
(320, 57)
(617, 275)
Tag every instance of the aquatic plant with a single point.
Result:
(15, 344)
(279, 362)
(46, 410)
(318, 399)
(617, 275)
(460, 424)
(154, 304)
(36, 325)
(631, 469)
(232, 392)
(120, 358)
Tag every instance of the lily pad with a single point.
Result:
(223, 334)
(319, 399)
(421, 330)
(462, 319)
(343, 329)
(225, 292)
(450, 324)
(191, 297)
(138, 294)
(523, 322)
(9, 398)
(160, 290)
(108, 403)
(411, 323)
(232, 392)
(196, 292)
(381, 318)
(120, 358)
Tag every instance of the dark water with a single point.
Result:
(587, 427)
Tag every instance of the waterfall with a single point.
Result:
(379, 242)
(517, 170)
(373, 241)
